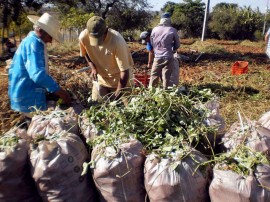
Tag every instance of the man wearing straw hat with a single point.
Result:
(29, 78)
(109, 58)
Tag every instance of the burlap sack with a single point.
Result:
(254, 136)
(88, 130)
(16, 184)
(210, 143)
(57, 167)
(168, 179)
(229, 186)
(260, 140)
(214, 118)
(265, 120)
(262, 174)
(53, 123)
(118, 175)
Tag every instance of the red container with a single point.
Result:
(142, 79)
(239, 67)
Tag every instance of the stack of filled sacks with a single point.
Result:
(51, 157)
(242, 174)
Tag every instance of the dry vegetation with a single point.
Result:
(247, 93)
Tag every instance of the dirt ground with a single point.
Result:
(63, 67)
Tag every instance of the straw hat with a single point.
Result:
(49, 24)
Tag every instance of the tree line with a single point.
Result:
(226, 20)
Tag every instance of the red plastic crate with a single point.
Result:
(141, 79)
(239, 67)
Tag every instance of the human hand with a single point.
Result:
(116, 95)
(64, 95)
(93, 74)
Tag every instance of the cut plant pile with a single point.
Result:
(163, 121)
(242, 160)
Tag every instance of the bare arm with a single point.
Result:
(93, 67)
(124, 76)
(266, 37)
(150, 58)
(63, 95)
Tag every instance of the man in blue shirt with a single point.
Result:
(162, 43)
(145, 36)
(29, 78)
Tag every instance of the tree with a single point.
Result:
(224, 21)
(187, 16)
(128, 20)
(169, 7)
(13, 9)
(101, 7)
(250, 22)
(229, 21)
(122, 15)
(75, 19)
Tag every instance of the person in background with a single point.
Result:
(145, 37)
(267, 40)
(10, 47)
(29, 78)
(165, 42)
(109, 57)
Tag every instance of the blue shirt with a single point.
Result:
(28, 77)
(149, 46)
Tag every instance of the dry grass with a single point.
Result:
(248, 93)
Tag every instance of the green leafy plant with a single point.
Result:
(164, 121)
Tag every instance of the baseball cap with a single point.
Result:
(96, 27)
(165, 15)
(143, 36)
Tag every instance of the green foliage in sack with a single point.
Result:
(242, 160)
(163, 121)
(8, 141)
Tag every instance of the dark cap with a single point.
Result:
(165, 15)
(96, 27)
(144, 35)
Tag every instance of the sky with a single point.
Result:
(254, 4)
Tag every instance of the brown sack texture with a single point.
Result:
(57, 167)
(265, 120)
(16, 184)
(255, 136)
(88, 129)
(166, 183)
(53, 123)
(228, 186)
(118, 175)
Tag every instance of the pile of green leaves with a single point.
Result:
(8, 141)
(243, 160)
(164, 121)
